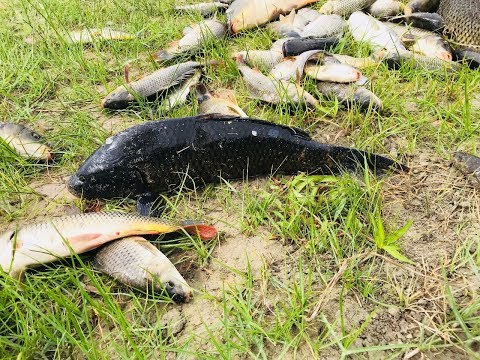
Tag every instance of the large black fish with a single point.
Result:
(159, 156)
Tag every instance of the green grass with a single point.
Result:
(324, 285)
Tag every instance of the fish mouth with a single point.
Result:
(179, 296)
(75, 184)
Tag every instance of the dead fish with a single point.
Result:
(429, 6)
(360, 63)
(87, 36)
(292, 68)
(471, 58)
(208, 104)
(351, 95)
(432, 46)
(261, 58)
(273, 91)
(194, 37)
(204, 8)
(247, 14)
(385, 8)
(179, 95)
(468, 164)
(325, 26)
(308, 13)
(25, 142)
(344, 7)
(365, 28)
(288, 25)
(294, 47)
(60, 237)
(401, 30)
(340, 73)
(136, 262)
(395, 59)
(423, 20)
(151, 86)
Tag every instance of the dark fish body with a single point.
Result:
(423, 20)
(471, 58)
(468, 164)
(294, 47)
(160, 156)
(421, 6)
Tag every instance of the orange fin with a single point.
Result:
(204, 232)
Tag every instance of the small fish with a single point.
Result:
(340, 73)
(365, 28)
(204, 8)
(172, 154)
(87, 36)
(385, 8)
(273, 91)
(360, 63)
(471, 58)
(60, 237)
(261, 58)
(414, 6)
(25, 142)
(208, 104)
(151, 86)
(395, 59)
(325, 26)
(351, 94)
(468, 164)
(291, 68)
(432, 46)
(179, 95)
(194, 37)
(136, 262)
(294, 47)
(247, 14)
(344, 7)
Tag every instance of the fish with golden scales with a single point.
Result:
(60, 237)
(248, 14)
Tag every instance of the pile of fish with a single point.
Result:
(222, 141)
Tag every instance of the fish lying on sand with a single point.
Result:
(273, 91)
(204, 8)
(208, 104)
(344, 7)
(50, 240)
(151, 86)
(25, 142)
(136, 262)
(468, 164)
(164, 156)
(247, 14)
(194, 37)
(87, 36)
(351, 95)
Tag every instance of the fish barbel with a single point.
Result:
(136, 262)
(50, 240)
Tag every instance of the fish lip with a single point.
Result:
(74, 183)
(179, 296)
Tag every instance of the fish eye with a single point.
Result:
(36, 136)
(170, 285)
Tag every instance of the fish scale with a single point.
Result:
(462, 20)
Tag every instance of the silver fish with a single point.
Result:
(179, 95)
(151, 85)
(351, 95)
(87, 36)
(261, 58)
(308, 14)
(431, 45)
(25, 142)
(360, 63)
(365, 28)
(344, 7)
(292, 68)
(324, 26)
(287, 25)
(57, 238)
(194, 37)
(385, 8)
(204, 8)
(273, 91)
(208, 104)
(418, 61)
(340, 73)
(136, 262)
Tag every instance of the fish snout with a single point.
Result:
(178, 293)
(75, 185)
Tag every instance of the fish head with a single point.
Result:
(110, 171)
(118, 99)
(25, 141)
(202, 93)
